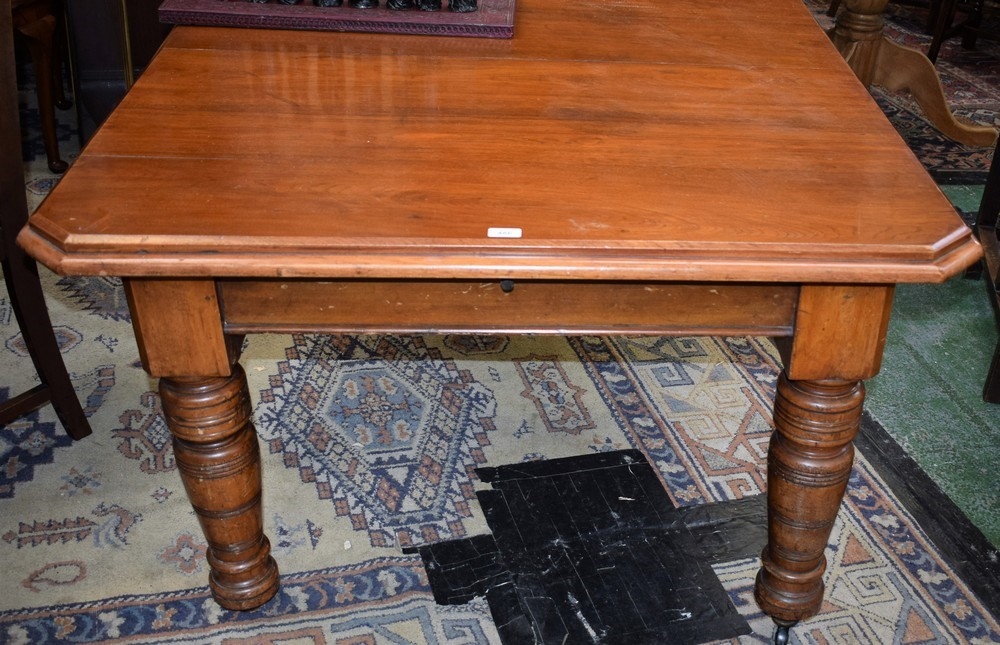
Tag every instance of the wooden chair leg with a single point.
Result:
(945, 19)
(36, 23)
(991, 391)
(20, 271)
(987, 221)
(933, 14)
(991, 274)
(60, 56)
(971, 31)
(944, 26)
(26, 296)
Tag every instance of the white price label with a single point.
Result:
(497, 231)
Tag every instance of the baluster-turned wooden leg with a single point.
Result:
(218, 456)
(808, 466)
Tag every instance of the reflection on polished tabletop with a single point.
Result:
(651, 167)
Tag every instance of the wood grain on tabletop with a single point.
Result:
(632, 134)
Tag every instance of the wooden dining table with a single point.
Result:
(617, 167)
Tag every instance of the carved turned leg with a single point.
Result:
(809, 463)
(218, 456)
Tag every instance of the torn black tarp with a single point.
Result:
(591, 550)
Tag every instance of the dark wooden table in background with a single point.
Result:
(668, 175)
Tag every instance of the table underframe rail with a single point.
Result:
(830, 339)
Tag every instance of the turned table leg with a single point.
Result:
(206, 404)
(837, 343)
(809, 463)
(218, 457)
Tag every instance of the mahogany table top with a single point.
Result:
(626, 139)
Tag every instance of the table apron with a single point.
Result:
(544, 307)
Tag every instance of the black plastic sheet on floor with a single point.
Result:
(591, 550)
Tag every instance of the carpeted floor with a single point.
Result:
(99, 543)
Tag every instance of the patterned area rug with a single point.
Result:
(100, 544)
(370, 445)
